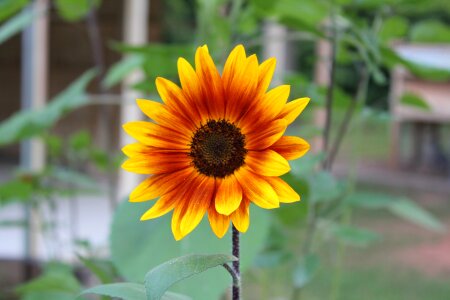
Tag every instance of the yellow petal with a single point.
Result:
(228, 195)
(241, 95)
(210, 82)
(293, 109)
(161, 207)
(267, 163)
(175, 99)
(274, 101)
(285, 193)
(241, 217)
(156, 135)
(265, 73)
(290, 147)
(267, 109)
(189, 79)
(257, 189)
(158, 185)
(161, 115)
(266, 136)
(200, 197)
(219, 223)
(157, 163)
(234, 63)
(176, 221)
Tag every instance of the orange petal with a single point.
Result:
(158, 136)
(219, 223)
(228, 195)
(269, 107)
(265, 74)
(165, 204)
(182, 195)
(267, 163)
(293, 109)
(290, 147)
(211, 83)
(157, 163)
(285, 193)
(242, 92)
(257, 189)
(158, 185)
(135, 149)
(267, 136)
(200, 196)
(192, 88)
(175, 99)
(241, 217)
(161, 115)
(233, 65)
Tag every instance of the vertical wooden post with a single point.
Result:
(321, 78)
(135, 33)
(397, 89)
(33, 97)
(276, 45)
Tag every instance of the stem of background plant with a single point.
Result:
(311, 219)
(106, 114)
(342, 131)
(235, 250)
(312, 213)
(336, 282)
(330, 90)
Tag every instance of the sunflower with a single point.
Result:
(216, 144)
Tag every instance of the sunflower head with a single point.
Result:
(216, 144)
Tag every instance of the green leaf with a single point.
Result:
(26, 124)
(73, 178)
(56, 279)
(305, 270)
(74, 10)
(323, 187)
(121, 69)
(393, 28)
(153, 244)
(416, 101)
(17, 23)
(123, 290)
(15, 190)
(412, 212)
(10, 7)
(161, 278)
(128, 291)
(369, 200)
(430, 31)
(80, 140)
(104, 270)
(354, 236)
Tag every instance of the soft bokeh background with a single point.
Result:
(374, 218)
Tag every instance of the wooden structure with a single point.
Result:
(435, 94)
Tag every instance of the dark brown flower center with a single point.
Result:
(218, 148)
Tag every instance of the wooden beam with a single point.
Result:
(135, 33)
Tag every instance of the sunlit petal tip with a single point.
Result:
(253, 59)
(159, 80)
(271, 62)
